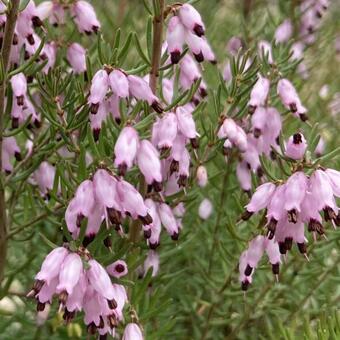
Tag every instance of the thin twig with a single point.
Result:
(5, 54)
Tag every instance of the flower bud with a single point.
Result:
(205, 209)
(202, 176)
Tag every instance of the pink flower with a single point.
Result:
(334, 180)
(295, 191)
(258, 121)
(265, 50)
(290, 99)
(85, 17)
(76, 56)
(141, 90)
(245, 280)
(132, 332)
(168, 220)
(100, 281)
(275, 209)
(151, 261)
(97, 119)
(259, 94)
(99, 88)
(69, 275)
(284, 31)
(175, 39)
(152, 231)
(261, 197)
(244, 176)
(149, 164)
(186, 124)
(191, 19)
(132, 201)
(296, 146)
(166, 131)
(117, 269)
(322, 192)
(10, 149)
(44, 176)
(126, 149)
(19, 87)
(50, 268)
(273, 252)
(202, 176)
(119, 83)
(205, 209)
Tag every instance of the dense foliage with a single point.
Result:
(105, 141)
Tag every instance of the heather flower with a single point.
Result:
(85, 17)
(186, 124)
(117, 269)
(295, 190)
(265, 50)
(175, 39)
(119, 83)
(168, 220)
(244, 176)
(99, 88)
(205, 209)
(165, 131)
(151, 261)
(296, 146)
(284, 32)
(10, 149)
(202, 176)
(19, 87)
(290, 98)
(258, 94)
(141, 90)
(152, 231)
(126, 149)
(132, 332)
(44, 176)
(191, 19)
(76, 56)
(149, 164)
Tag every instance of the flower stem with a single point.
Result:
(12, 15)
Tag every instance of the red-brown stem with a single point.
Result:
(5, 55)
(156, 45)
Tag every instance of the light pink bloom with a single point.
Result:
(151, 261)
(85, 17)
(132, 332)
(254, 253)
(191, 19)
(175, 39)
(234, 45)
(183, 168)
(44, 10)
(186, 123)
(97, 119)
(99, 88)
(10, 149)
(290, 99)
(126, 149)
(119, 83)
(334, 180)
(245, 280)
(117, 269)
(244, 176)
(167, 131)
(100, 281)
(258, 121)
(284, 32)
(273, 252)
(168, 220)
(205, 209)
(132, 201)
(202, 176)
(69, 275)
(275, 209)
(320, 148)
(19, 87)
(196, 45)
(295, 191)
(141, 90)
(259, 94)
(265, 50)
(296, 146)
(50, 268)
(75, 300)
(153, 230)
(149, 164)
(322, 192)
(44, 177)
(76, 56)
(261, 197)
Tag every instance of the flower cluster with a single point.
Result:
(81, 284)
(186, 27)
(250, 258)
